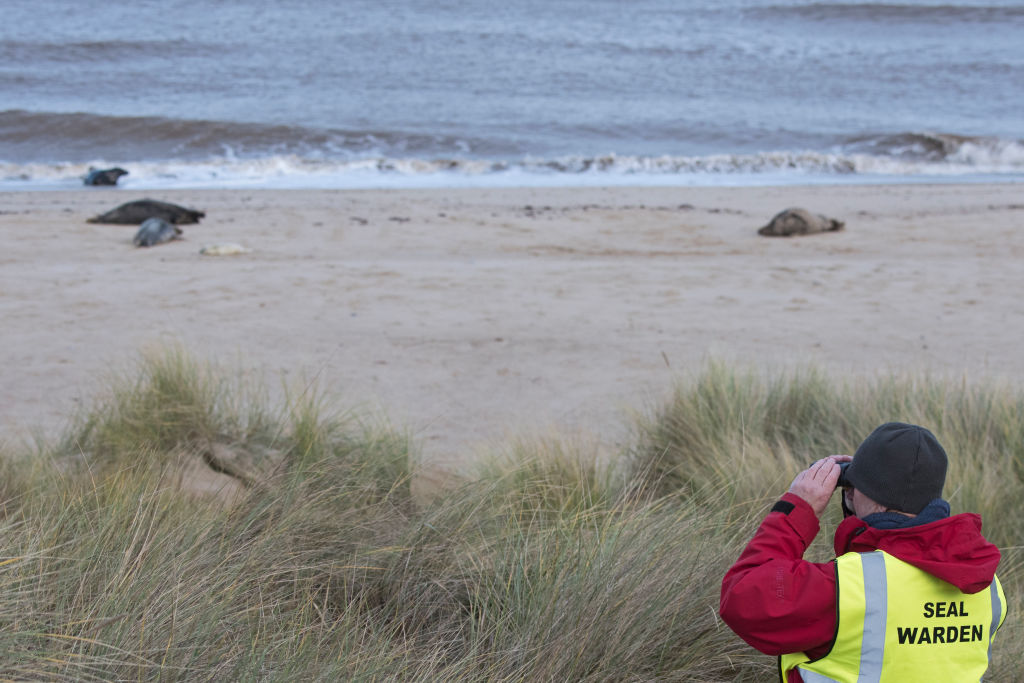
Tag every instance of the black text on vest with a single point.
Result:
(944, 609)
(932, 635)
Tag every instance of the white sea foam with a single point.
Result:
(968, 160)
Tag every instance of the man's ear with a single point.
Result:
(847, 509)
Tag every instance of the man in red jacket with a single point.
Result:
(917, 608)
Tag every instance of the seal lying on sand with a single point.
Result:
(106, 176)
(133, 213)
(799, 222)
(155, 231)
(226, 249)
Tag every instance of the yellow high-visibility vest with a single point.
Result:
(897, 623)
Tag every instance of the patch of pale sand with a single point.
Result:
(470, 316)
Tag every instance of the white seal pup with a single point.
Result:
(799, 222)
(155, 231)
(225, 249)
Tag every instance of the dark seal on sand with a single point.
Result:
(799, 222)
(134, 213)
(155, 231)
(105, 176)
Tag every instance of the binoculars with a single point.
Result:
(843, 482)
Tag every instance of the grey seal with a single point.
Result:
(133, 213)
(799, 222)
(105, 176)
(155, 231)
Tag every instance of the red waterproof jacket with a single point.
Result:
(779, 603)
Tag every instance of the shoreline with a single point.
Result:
(442, 181)
(471, 315)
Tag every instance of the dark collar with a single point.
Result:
(932, 512)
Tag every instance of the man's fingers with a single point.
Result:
(821, 468)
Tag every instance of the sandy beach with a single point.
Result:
(468, 316)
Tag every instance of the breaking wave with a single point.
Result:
(81, 137)
(295, 172)
(56, 150)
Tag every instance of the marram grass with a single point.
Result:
(545, 566)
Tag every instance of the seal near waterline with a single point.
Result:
(155, 231)
(799, 222)
(134, 213)
(104, 176)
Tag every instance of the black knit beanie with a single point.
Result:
(901, 466)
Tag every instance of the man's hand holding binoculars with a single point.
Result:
(816, 484)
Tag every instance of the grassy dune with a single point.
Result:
(183, 529)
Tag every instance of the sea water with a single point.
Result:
(408, 93)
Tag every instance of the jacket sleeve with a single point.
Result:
(771, 597)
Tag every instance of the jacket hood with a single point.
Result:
(951, 549)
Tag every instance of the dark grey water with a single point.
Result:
(362, 92)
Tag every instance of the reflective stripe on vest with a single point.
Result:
(998, 614)
(876, 603)
(897, 623)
